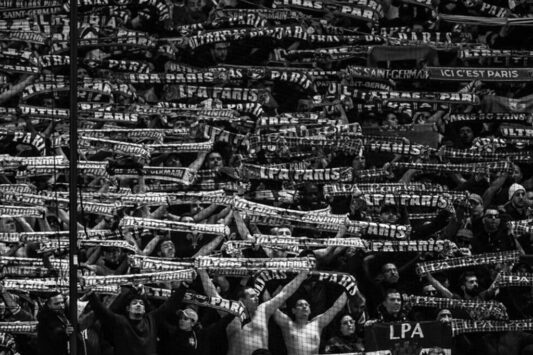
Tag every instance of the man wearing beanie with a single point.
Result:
(516, 208)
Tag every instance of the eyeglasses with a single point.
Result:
(185, 318)
(474, 202)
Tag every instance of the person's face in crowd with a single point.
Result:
(491, 220)
(173, 160)
(390, 120)
(49, 102)
(250, 300)
(2, 309)
(301, 310)
(388, 215)
(476, 209)
(347, 325)
(82, 73)
(466, 135)
(358, 163)
(517, 175)
(421, 117)
(112, 255)
(196, 5)
(445, 316)
(529, 198)
(8, 225)
(136, 309)
(430, 291)
(311, 196)
(219, 52)
(464, 241)
(519, 199)
(214, 161)
(390, 273)
(393, 303)
(56, 304)
(227, 3)
(187, 320)
(167, 249)
(4, 249)
(471, 286)
(282, 232)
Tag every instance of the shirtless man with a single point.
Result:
(245, 339)
(302, 336)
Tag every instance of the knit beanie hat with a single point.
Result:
(515, 188)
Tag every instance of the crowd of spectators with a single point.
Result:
(378, 144)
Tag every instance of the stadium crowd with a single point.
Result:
(268, 176)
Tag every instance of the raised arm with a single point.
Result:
(438, 286)
(326, 317)
(275, 302)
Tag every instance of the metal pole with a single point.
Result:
(73, 183)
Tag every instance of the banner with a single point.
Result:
(422, 337)
(484, 74)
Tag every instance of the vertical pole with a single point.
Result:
(73, 183)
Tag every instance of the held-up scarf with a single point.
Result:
(386, 146)
(520, 228)
(460, 326)
(136, 222)
(458, 168)
(52, 285)
(507, 279)
(29, 327)
(476, 155)
(344, 280)
(147, 264)
(258, 172)
(19, 211)
(384, 188)
(358, 72)
(184, 176)
(279, 33)
(476, 309)
(221, 304)
(117, 147)
(163, 276)
(206, 262)
(489, 117)
(219, 135)
(327, 223)
(36, 237)
(504, 57)
(414, 96)
(284, 143)
(443, 247)
(467, 261)
(62, 245)
(516, 132)
(409, 200)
